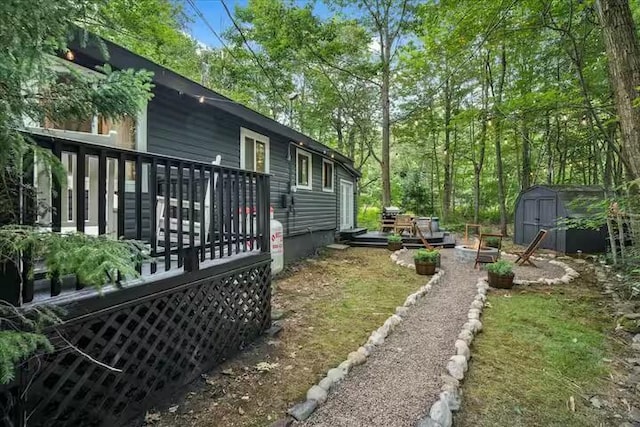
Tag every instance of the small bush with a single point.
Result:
(429, 256)
(394, 238)
(501, 268)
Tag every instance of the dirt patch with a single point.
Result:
(330, 305)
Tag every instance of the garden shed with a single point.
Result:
(540, 207)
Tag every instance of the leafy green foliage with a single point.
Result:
(492, 242)
(428, 256)
(394, 238)
(15, 346)
(501, 268)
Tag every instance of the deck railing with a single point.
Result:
(185, 211)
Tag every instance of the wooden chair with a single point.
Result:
(162, 211)
(483, 258)
(421, 236)
(403, 222)
(524, 257)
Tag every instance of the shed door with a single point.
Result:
(547, 220)
(540, 213)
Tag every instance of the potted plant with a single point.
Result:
(500, 274)
(394, 242)
(426, 261)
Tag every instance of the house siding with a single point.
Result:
(181, 126)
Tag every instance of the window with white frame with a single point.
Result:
(304, 169)
(327, 176)
(254, 151)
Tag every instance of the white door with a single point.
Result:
(346, 205)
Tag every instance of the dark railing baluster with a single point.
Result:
(192, 207)
(167, 215)
(229, 212)
(221, 219)
(80, 189)
(202, 211)
(179, 215)
(56, 196)
(121, 195)
(246, 213)
(212, 212)
(253, 210)
(102, 192)
(138, 202)
(259, 224)
(266, 214)
(153, 220)
(236, 209)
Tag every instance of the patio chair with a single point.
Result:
(162, 211)
(403, 222)
(421, 236)
(484, 258)
(524, 257)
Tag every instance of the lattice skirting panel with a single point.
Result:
(159, 341)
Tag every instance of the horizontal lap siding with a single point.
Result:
(180, 126)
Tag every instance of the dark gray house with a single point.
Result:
(312, 187)
(541, 206)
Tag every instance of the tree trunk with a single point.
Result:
(498, 143)
(623, 52)
(385, 50)
(526, 155)
(446, 196)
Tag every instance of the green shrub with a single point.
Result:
(394, 238)
(429, 256)
(501, 268)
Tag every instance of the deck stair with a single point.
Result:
(377, 239)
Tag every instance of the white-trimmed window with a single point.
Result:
(254, 151)
(327, 176)
(304, 169)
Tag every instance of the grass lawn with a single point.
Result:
(539, 348)
(330, 306)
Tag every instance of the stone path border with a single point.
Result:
(317, 394)
(450, 399)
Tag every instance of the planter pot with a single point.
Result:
(394, 246)
(425, 269)
(500, 282)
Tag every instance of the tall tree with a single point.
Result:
(623, 52)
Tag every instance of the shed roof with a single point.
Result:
(122, 58)
(576, 199)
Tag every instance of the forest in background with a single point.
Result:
(448, 107)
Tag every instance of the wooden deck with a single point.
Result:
(378, 239)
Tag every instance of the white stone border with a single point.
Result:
(318, 393)
(450, 399)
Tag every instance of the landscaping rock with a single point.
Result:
(452, 397)
(460, 360)
(477, 305)
(303, 410)
(277, 314)
(455, 370)
(356, 358)
(462, 349)
(476, 325)
(364, 351)
(325, 383)
(466, 336)
(274, 329)
(402, 311)
(376, 338)
(345, 367)
(428, 422)
(473, 314)
(336, 375)
(441, 414)
(449, 380)
(318, 394)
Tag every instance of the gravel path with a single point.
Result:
(401, 379)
